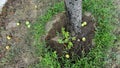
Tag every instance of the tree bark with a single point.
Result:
(74, 12)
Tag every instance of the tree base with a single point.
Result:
(80, 47)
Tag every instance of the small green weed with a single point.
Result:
(48, 59)
(103, 12)
(66, 39)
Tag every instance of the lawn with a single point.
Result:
(103, 13)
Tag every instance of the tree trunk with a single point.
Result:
(74, 12)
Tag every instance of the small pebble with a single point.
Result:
(78, 40)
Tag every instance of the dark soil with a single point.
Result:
(88, 32)
(20, 54)
(52, 28)
(79, 47)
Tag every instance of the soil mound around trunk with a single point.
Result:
(82, 43)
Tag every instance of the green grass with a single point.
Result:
(103, 12)
(38, 30)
